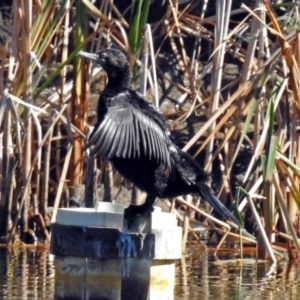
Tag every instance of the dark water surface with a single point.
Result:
(30, 274)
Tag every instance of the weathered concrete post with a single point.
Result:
(96, 259)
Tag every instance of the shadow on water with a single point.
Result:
(30, 275)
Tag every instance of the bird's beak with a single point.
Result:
(91, 56)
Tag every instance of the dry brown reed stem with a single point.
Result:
(58, 157)
(180, 200)
(221, 28)
(251, 192)
(40, 31)
(250, 61)
(153, 83)
(62, 92)
(114, 34)
(79, 117)
(226, 231)
(289, 177)
(7, 166)
(262, 230)
(224, 167)
(235, 236)
(286, 236)
(286, 220)
(61, 183)
(186, 62)
(186, 221)
(27, 80)
(262, 139)
(38, 166)
(227, 115)
(228, 134)
(46, 173)
(244, 90)
(197, 46)
(28, 179)
(106, 8)
(225, 228)
(117, 12)
(25, 69)
(288, 54)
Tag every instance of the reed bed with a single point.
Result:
(44, 90)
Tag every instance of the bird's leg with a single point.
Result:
(134, 211)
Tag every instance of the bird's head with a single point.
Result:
(113, 61)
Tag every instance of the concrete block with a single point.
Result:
(167, 243)
(69, 274)
(114, 279)
(103, 243)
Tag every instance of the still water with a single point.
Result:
(30, 274)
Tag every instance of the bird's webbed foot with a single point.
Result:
(132, 212)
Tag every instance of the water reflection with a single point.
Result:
(30, 275)
(26, 275)
(227, 279)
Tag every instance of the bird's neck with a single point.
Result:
(119, 80)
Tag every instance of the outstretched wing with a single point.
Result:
(131, 129)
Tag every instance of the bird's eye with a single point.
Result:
(103, 55)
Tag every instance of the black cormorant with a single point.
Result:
(134, 136)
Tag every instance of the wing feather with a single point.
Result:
(115, 143)
(137, 136)
(130, 135)
(105, 129)
(143, 137)
(95, 136)
(122, 140)
(131, 128)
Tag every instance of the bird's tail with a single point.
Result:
(206, 193)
